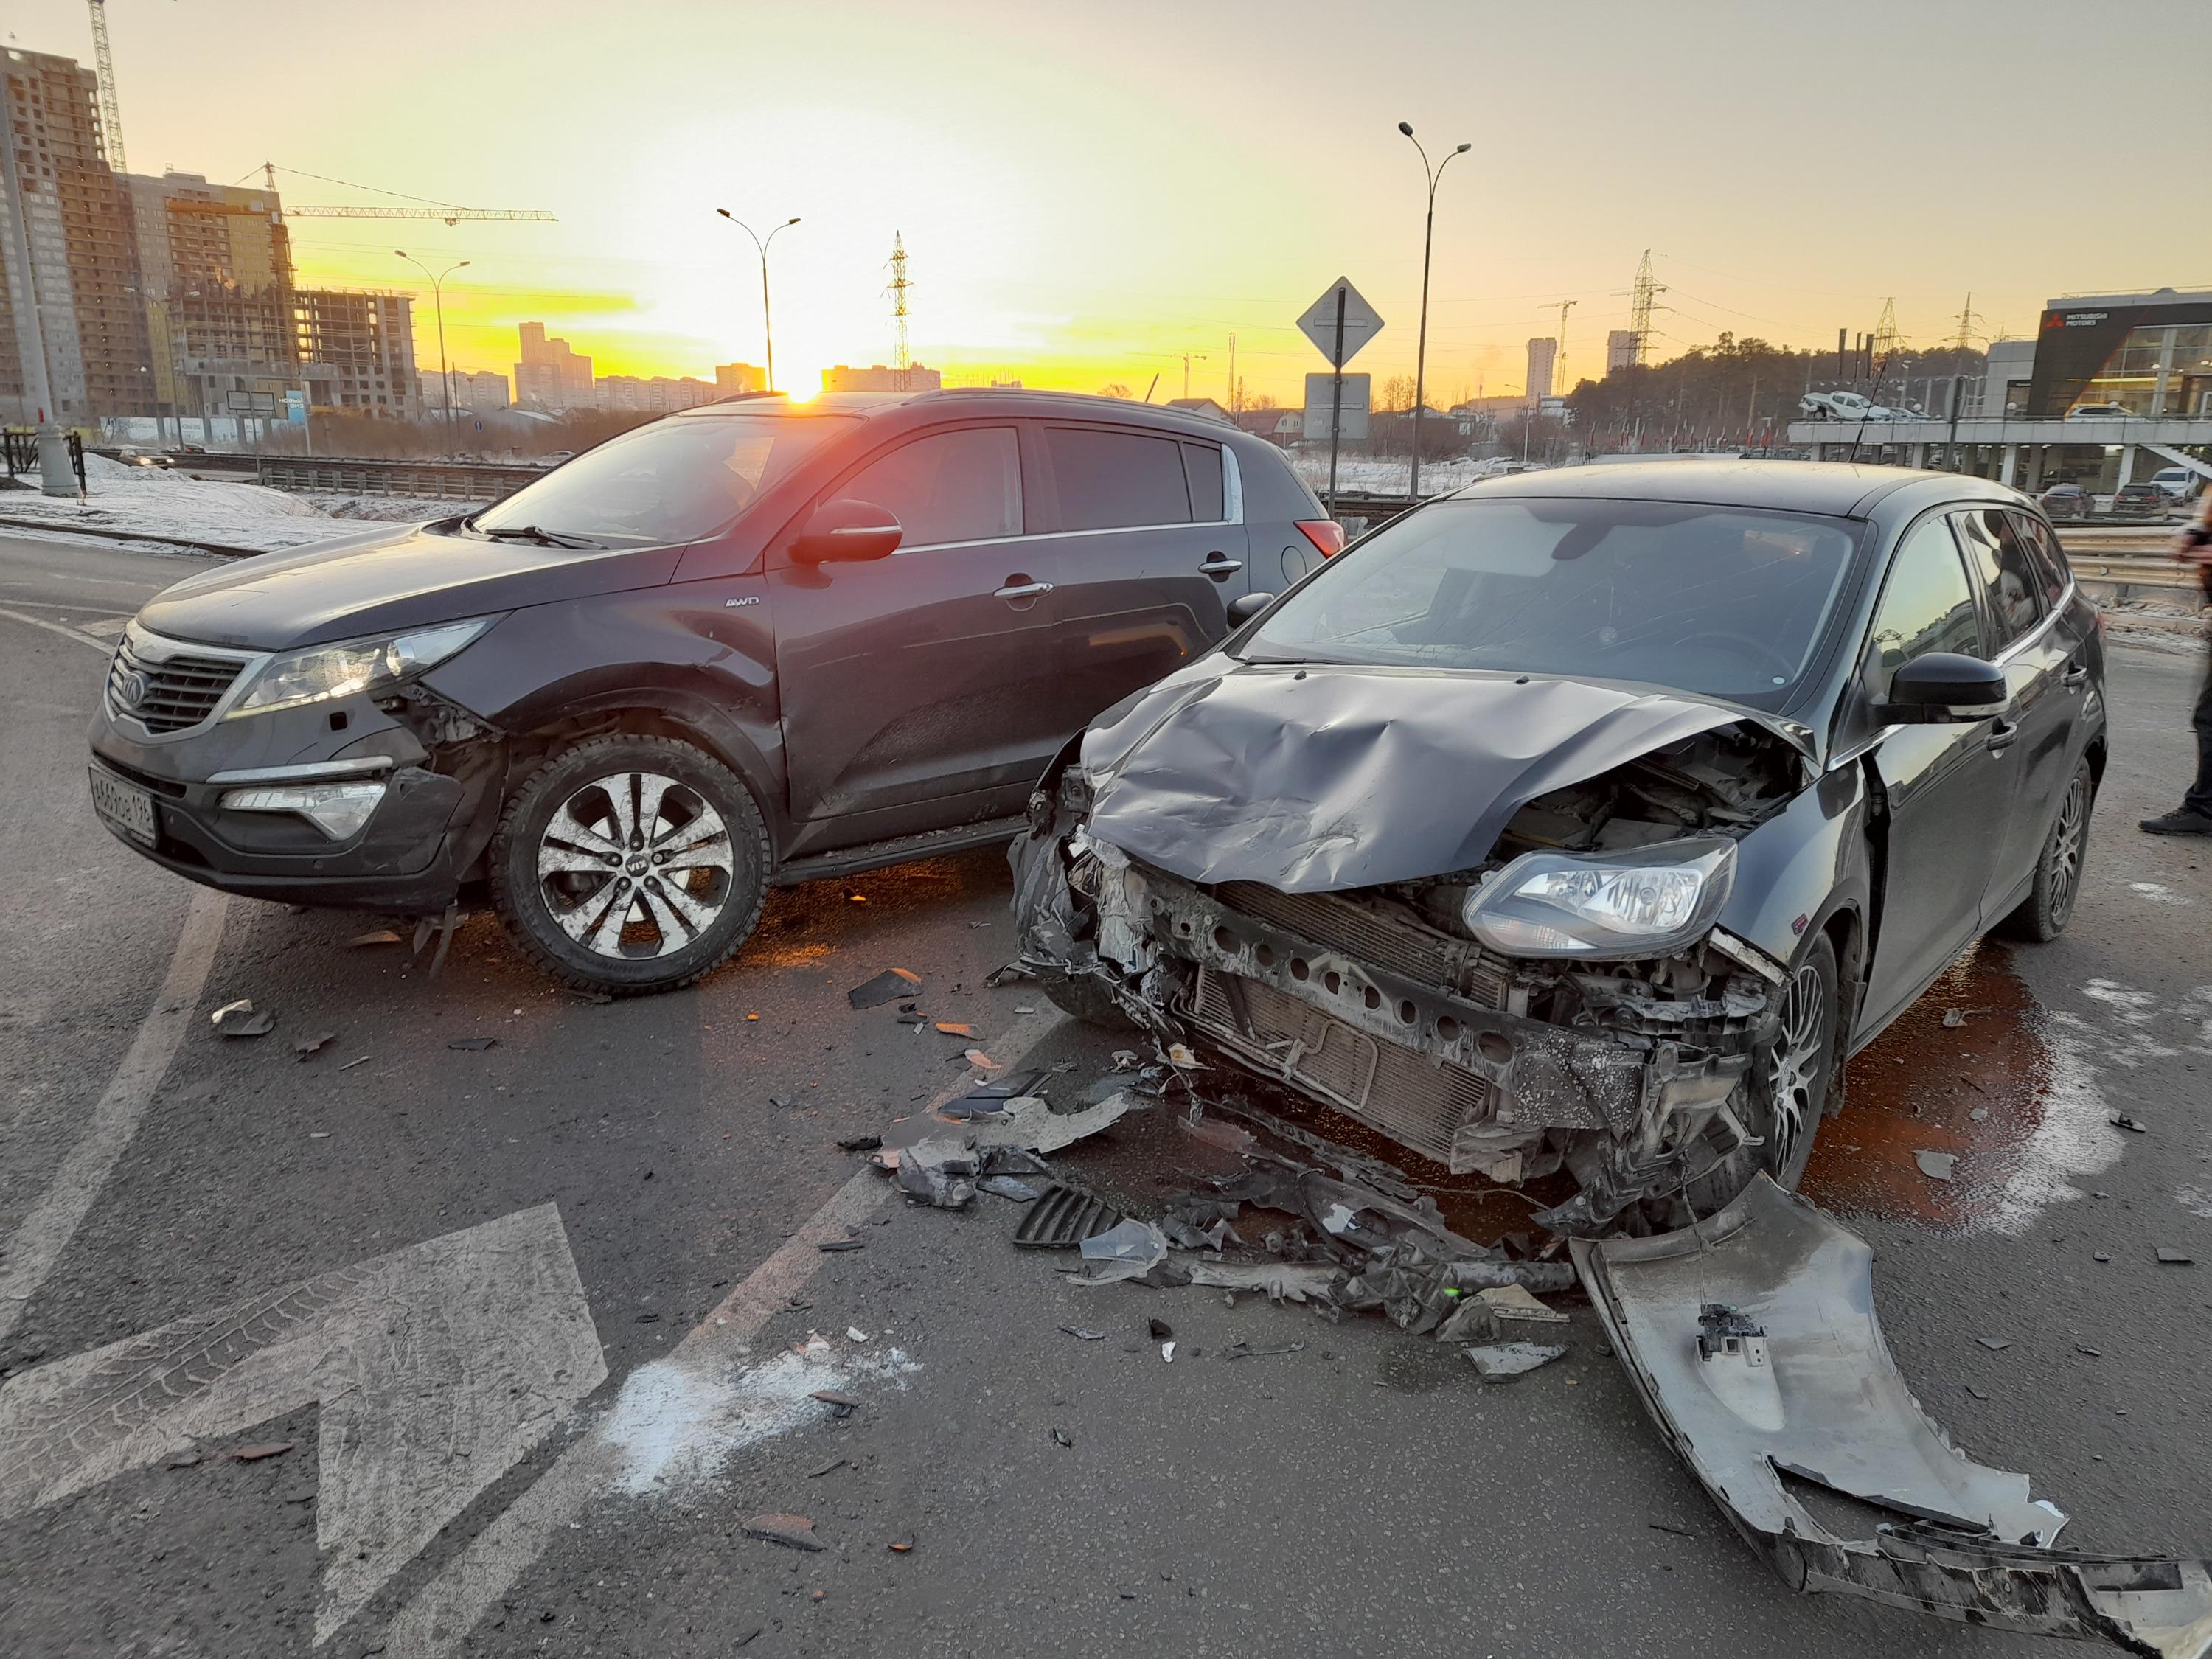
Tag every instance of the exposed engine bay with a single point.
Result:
(1382, 1003)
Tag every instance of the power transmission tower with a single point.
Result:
(110, 110)
(1968, 318)
(1884, 333)
(901, 360)
(1640, 304)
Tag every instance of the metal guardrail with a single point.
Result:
(445, 481)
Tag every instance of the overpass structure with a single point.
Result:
(2104, 452)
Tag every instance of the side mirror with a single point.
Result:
(1245, 606)
(1941, 687)
(847, 529)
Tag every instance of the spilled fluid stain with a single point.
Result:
(1919, 1086)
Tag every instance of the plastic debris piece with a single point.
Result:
(1994, 1344)
(854, 1334)
(312, 1045)
(1181, 1057)
(2093, 1353)
(794, 1532)
(830, 1467)
(1976, 1392)
(889, 986)
(2100, 1256)
(1979, 1115)
(1006, 975)
(2122, 1121)
(977, 1058)
(1009, 1187)
(374, 936)
(1128, 1249)
(940, 1169)
(1167, 1352)
(260, 1449)
(831, 1245)
(239, 1019)
(1508, 1362)
(350, 1063)
(956, 1028)
(184, 1460)
(860, 1143)
(1061, 1437)
(474, 1045)
(902, 1545)
(1512, 1302)
(1158, 1329)
(1283, 1281)
(1668, 1526)
(843, 1404)
(2173, 1258)
(1082, 1336)
(1954, 1017)
(1029, 1123)
(1936, 1166)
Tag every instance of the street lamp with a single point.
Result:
(438, 298)
(768, 333)
(1421, 353)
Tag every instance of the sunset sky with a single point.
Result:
(1089, 191)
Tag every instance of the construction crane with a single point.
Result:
(445, 210)
(111, 111)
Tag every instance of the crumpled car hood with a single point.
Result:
(1325, 777)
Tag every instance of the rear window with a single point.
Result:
(673, 481)
(1201, 465)
(1110, 480)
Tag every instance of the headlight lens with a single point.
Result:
(338, 810)
(341, 671)
(1605, 906)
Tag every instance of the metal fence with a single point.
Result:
(21, 443)
(445, 481)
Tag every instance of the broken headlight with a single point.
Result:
(340, 671)
(1605, 906)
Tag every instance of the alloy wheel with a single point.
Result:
(2066, 837)
(634, 865)
(1793, 1065)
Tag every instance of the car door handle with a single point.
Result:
(1221, 568)
(1023, 591)
(2076, 676)
(2001, 734)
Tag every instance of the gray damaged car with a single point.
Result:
(1581, 824)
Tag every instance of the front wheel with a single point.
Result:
(1782, 1100)
(2043, 914)
(630, 865)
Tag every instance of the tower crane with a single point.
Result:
(429, 209)
(111, 111)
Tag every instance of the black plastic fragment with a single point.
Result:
(1062, 1217)
(889, 986)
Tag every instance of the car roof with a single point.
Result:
(962, 401)
(1838, 488)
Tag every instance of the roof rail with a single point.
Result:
(740, 397)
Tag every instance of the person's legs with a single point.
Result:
(2194, 817)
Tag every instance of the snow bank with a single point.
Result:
(149, 500)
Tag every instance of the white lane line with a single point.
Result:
(54, 1221)
(437, 1368)
(62, 629)
(447, 1609)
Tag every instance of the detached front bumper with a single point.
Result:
(409, 856)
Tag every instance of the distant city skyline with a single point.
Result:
(1081, 209)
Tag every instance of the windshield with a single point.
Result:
(674, 481)
(1725, 602)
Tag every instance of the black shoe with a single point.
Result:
(2182, 822)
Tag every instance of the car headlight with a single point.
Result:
(341, 671)
(1605, 906)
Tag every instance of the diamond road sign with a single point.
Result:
(1361, 323)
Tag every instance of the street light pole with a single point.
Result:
(438, 301)
(767, 329)
(1428, 236)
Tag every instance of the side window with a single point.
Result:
(2044, 557)
(1927, 606)
(1114, 480)
(1201, 465)
(1997, 554)
(960, 486)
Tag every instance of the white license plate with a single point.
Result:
(123, 806)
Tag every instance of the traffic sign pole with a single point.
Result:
(1336, 399)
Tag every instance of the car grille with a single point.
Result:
(166, 689)
(1341, 925)
(1418, 1102)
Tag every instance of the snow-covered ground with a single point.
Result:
(151, 501)
(394, 509)
(1384, 477)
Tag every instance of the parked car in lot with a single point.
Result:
(2066, 500)
(2141, 499)
(1843, 406)
(2179, 482)
(746, 645)
(2102, 412)
(1586, 822)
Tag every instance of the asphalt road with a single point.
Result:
(460, 1478)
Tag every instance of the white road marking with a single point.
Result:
(53, 1220)
(62, 629)
(438, 1367)
(447, 1609)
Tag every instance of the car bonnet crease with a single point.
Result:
(1326, 777)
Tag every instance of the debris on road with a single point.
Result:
(794, 1532)
(1509, 1362)
(831, 1245)
(1009, 1187)
(1158, 1329)
(1082, 1336)
(312, 1045)
(889, 986)
(976, 1057)
(259, 1449)
(1283, 1281)
(1936, 1166)
(842, 1403)
(374, 936)
(239, 1019)
(955, 1028)
(350, 1063)
(1062, 1218)
(1167, 1352)
(939, 1170)
(2122, 1121)
(474, 1044)
(1061, 1437)
(830, 1467)
(1994, 1344)
(2173, 1258)
(1816, 1395)
(1128, 1249)
(902, 1545)
(860, 1143)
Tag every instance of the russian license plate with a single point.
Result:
(125, 806)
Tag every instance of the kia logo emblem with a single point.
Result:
(132, 690)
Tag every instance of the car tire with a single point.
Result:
(1786, 1096)
(602, 896)
(2043, 914)
(1084, 996)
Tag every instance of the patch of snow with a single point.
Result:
(677, 1424)
(2074, 1139)
(392, 509)
(2195, 1201)
(148, 500)
(2157, 894)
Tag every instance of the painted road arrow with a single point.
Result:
(437, 1368)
